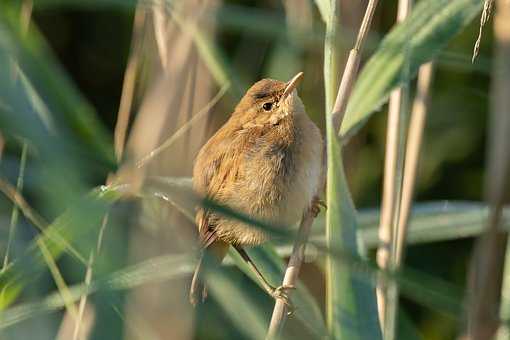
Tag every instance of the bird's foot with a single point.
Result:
(281, 293)
(317, 203)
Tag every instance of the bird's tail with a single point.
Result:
(210, 257)
(198, 290)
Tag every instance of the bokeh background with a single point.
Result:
(93, 43)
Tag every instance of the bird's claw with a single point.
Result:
(317, 203)
(281, 293)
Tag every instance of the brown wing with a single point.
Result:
(216, 165)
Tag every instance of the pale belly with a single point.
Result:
(277, 187)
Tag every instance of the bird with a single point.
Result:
(266, 161)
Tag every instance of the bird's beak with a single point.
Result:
(291, 85)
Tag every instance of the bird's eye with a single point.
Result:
(267, 106)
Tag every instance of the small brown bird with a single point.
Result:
(266, 162)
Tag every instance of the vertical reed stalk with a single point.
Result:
(392, 184)
(412, 154)
(414, 141)
(486, 274)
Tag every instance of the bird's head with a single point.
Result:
(269, 101)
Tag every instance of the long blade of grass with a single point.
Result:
(424, 34)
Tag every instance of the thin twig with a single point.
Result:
(392, 184)
(346, 84)
(486, 272)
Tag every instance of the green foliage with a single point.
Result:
(77, 227)
(69, 148)
(431, 25)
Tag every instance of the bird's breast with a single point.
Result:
(281, 172)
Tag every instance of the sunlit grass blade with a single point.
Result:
(424, 34)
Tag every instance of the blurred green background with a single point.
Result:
(92, 44)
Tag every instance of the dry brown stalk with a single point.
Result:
(414, 141)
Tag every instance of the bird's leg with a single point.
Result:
(317, 203)
(278, 292)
